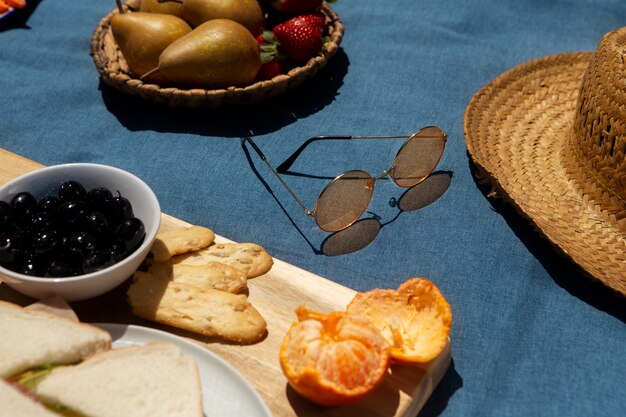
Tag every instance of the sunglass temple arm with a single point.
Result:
(289, 161)
(276, 174)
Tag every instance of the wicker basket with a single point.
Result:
(114, 71)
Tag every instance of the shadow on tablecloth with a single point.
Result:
(559, 266)
(261, 118)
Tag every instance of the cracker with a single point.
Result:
(203, 311)
(181, 240)
(250, 258)
(213, 275)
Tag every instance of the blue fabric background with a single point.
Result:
(531, 335)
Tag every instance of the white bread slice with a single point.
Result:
(54, 305)
(14, 403)
(30, 338)
(152, 380)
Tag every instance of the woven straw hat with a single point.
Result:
(550, 136)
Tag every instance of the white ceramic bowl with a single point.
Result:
(46, 181)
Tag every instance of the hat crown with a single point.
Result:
(599, 130)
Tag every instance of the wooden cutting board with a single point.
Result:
(276, 295)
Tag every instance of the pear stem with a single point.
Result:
(119, 6)
(149, 73)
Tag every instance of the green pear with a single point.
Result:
(142, 37)
(246, 12)
(162, 6)
(219, 53)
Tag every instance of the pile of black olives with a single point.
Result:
(72, 233)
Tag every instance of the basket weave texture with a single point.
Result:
(550, 136)
(114, 71)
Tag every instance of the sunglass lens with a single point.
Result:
(419, 156)
(343, 201)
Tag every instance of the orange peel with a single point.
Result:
(17, 4)
(415, 319)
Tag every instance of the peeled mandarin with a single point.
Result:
(335, 358)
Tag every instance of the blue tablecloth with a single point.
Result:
(531, 335)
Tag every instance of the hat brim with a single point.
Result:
(516, 128)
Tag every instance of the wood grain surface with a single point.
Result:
(276, 295)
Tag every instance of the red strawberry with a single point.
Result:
(269, 70)
(263, 39)
(301, 36)
(295, 6)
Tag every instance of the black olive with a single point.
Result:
(23, 205)
(131, 233)
(72, 214)
(5, 214)
(96, 261)
(82, 242)
(11, 242)
(118, 210)
(46, 241)
(74, 233)
(61, 268)
(31, 269)
(29, 264)
(48, 204)
(97, 225)
(41, 221)
(8, 248)
(97, 198)
(69, 254)
(72, 191)
(21, 234)
(118, 251)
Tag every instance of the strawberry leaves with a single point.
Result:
(271, 56)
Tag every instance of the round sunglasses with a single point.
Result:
(345, 198)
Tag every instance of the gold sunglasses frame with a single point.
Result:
(387, 173)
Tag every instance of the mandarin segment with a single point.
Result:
(415, 319)
(335, 358)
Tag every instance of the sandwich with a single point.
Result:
(52, 365)
(151, 380)
(33, 339)
(15, 402)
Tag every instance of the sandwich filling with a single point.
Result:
(26, 381)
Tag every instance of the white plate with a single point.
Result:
(225, 392)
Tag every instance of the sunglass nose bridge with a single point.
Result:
(388, 172)
(378, 177)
